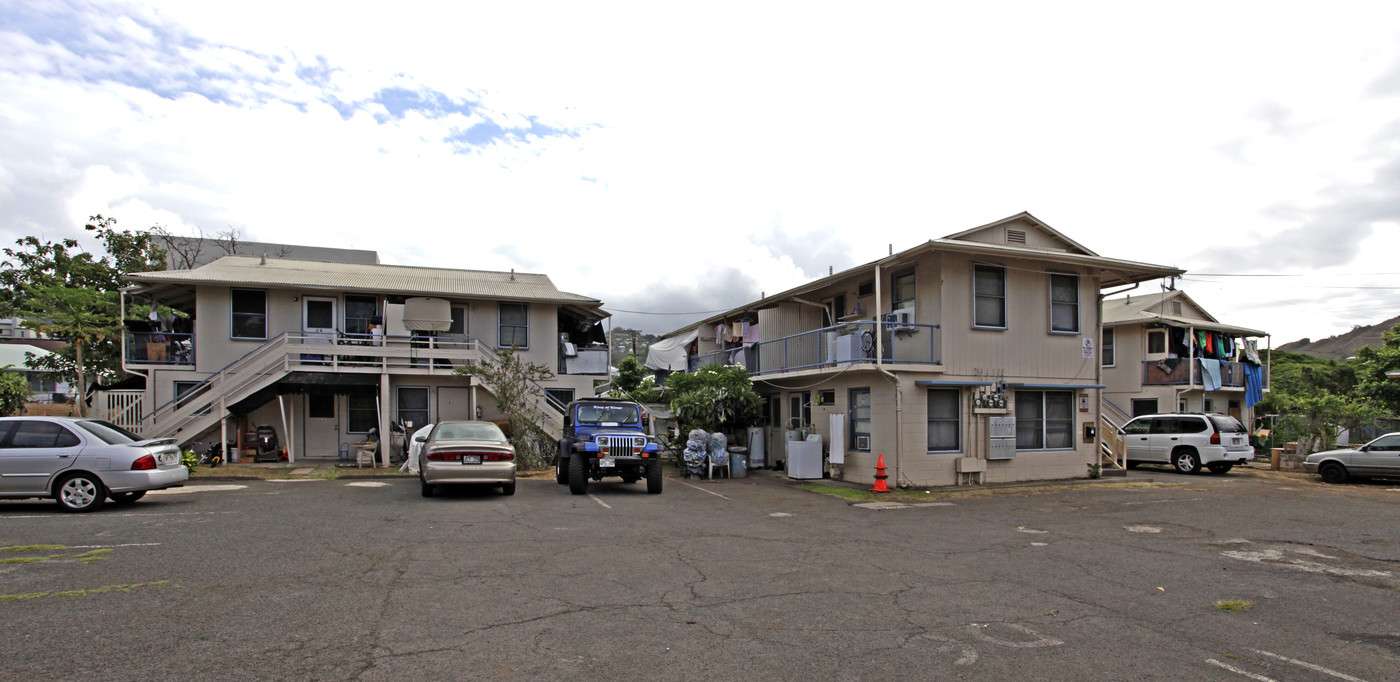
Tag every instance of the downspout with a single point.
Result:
(894, 378)
(824, 310)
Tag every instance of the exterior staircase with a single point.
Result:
(202, 407)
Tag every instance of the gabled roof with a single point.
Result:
(1147, 309)
(1114, 272)
(255, 271)
(995, 231)
(12, 354)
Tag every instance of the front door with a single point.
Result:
(321, 437)
(454, 402)
(318, 316)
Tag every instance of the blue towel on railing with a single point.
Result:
(1253, 384)
(1210, 374)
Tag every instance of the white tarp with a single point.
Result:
(423, 314)
(669, 354)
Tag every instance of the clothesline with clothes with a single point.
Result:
(1210, 349)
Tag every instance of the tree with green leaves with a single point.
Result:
(514, 382)
(1371, 366)
(14, 392)
(714, 398)
(33, 266)
(83, 316)
(634, 382)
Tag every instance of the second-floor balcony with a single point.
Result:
(835, 346)
(159, 348)
(1181, 372)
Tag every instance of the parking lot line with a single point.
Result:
(704, 490)
(595, 499)
(1310, 666)
(1246, 673)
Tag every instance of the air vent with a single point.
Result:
(1015, 236)
(1176, 307)
(862, 443)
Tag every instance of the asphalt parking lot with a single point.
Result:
(750, 578)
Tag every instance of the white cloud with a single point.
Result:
(724, 142)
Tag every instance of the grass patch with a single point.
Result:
(31, 548)
(82, 593)
(30, 559)
(837, 491)
(1234, 605)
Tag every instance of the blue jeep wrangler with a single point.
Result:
(604, 437)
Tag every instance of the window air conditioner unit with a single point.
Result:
(901, 317)
(862, 443)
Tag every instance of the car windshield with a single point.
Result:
(1226, 424)
(589, 413)
(464, 431)
(107, 432)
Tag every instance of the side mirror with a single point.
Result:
(420, 439)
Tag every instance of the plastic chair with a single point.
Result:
(344, 453)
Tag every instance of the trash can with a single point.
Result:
(738, 465)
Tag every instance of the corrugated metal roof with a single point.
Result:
(391, 279)
(13, 354)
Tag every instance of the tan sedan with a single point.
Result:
(467, 453)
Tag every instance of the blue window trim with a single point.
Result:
(1050, 303)
(961, 422)
(500, 325)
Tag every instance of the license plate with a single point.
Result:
(471, 459)
(607, 462)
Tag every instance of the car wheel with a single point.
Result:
(1186, 461)
(1334, 472)
(654, 478)
(508, 488)
(578, 475)
(561, 474)
(428, 489)
(1220, 467)
(80, 493)
(127, 498)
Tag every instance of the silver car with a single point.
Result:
(83, 462)
(466, 452)
(1380, 457)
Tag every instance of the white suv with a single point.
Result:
(1187, 441)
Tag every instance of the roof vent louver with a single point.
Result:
(1015, 236)
(1176, 308)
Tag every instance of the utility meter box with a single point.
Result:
(1001, 432)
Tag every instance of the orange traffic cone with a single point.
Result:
(880, 476)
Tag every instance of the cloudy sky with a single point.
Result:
(683, 158)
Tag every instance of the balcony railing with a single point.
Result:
(159, 348)
(1180, 372)
(841, 345)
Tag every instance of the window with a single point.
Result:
(944, 422)
(37, 434)
(902, 290)
(185, 391)
(1064, 304)
(1143, 406)
(1207, 405)
(563, 395)
(249, 314)
(320, 406)
(827, 397)
(1137, 427)
(413, 404)
(1156, 341)
(1106, 348)
(359, 310)
(866, 288)
(989, 296)
(860, 418)
(361, 414)
(1044, 420)
(515, 325)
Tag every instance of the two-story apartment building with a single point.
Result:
(323, 352)
(974, 353)
(1162, 352)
